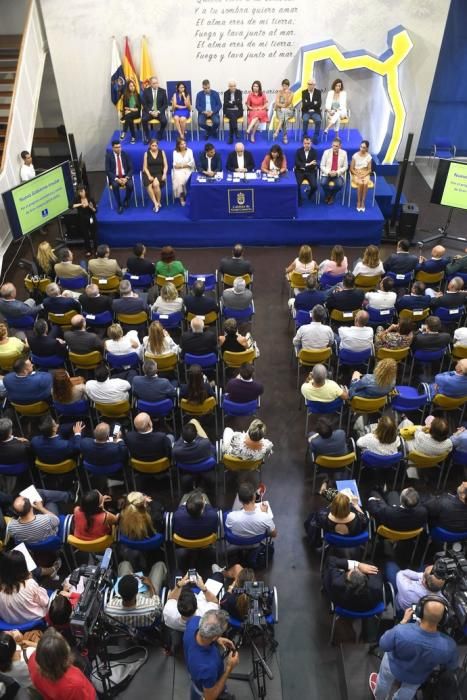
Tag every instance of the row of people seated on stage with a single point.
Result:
(332, 168)
(154, 105)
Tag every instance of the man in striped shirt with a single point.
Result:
(131, 607)
(34, 527)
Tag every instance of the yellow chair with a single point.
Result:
(397, 354)
(235, 464)
(397, 536)
(62, 320)
(65, 467)
(458, 352)
(33, 284)
(120, 409)
(165, 363)
(137, 122)
(297, 280)
(157, 466)
(276, 123)
(448, 403)
(414, 315)
(371, 186)
(198, 410)
(97, 546)
(429, 277)
(310, 358)
(86, 361)
(234, 360)
(38, 409)
(340, 317)
(209, 319)
(366, 407)
(346, 462)
(367, 282)
(177, 280)
(172, 130)
(138, 319)
(188, 543)
(107, 285)
(422, 461)
(240, 123)
(228, 280)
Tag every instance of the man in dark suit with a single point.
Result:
(305, 301)
(449, 511)
(305, 167)
(243, 387)
(44, 345)
(192, 446)
(80, 340)
(155, 104)
(352, 584)
(430, 337)
(209, 162)
(119, 170)
(240, 161)
(150, 387)
(208, 105)
(233, 109)
(93, 302)
(197, 302)
(57, 303)
(196, 518)
(417, 299)
(129, 302)
(100, 451)
(145, 444)
(346, 298)
(13, 449)
(197, 341)
(137, 264)
(437, 262)
(24, 385)
(311, 108)
(401, 262)
(404, 512)
(453, 298)
(50, 447)
(236, 265)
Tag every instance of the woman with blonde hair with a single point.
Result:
(119, 343)
(336, 265)
(344, 516)
(303, 263)
(249, 445)
(168, 301)
(383, 440)
(46, 259)
(158, 341)
(370, 264)
(140, 519)
(380, 383)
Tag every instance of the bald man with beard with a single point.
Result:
(145, 444)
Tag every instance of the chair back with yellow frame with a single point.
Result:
(397, 354)
(119, 409)
(423, 461)
(34, 284)
(346, 461)
(414, 315)
(367, 282)
(97, 546)
(395, 536)
(137, 319)
(64, 467)
(343, 316)
(228, 280)
(177, 280)
(237, 359)
(62, 320)
(157, 466)
(107, 285)
(7, 361)
(87, 360)
(209, 319)
(307, 357)
(429, 277)
(297, 280)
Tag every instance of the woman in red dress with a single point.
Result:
(257, 108)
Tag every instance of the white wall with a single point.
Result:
(13, 13)
(79, 36)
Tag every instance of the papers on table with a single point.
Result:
(31, 493)
(250, 176)
(349, 487)
(213, 586)
(30, 563)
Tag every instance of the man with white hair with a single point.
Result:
(453, 298)
(129, 302)
(198, 341)
(58, 302)
(238, 297)
(358, 337)
(203, 644)
(240, 160)
(315, 335)
(11, 307)
(319, 388)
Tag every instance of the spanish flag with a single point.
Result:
(145, 70)
(128, 66)
(117, 78)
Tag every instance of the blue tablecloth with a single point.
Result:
(246, 199)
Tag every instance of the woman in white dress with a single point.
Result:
(370, 265)
(168, 301)
(360, 169)
(183, 166)
(336, 105)
(119, 343)
(158, 341)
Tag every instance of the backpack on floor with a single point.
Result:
(124, 664)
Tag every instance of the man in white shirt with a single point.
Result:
(253, 518)
(385, 297)
(333, 166)
(314, 335)
(182, 603)
(106, 390)
(460, 336)
(27, 170)
(240, 161)
(358, 337)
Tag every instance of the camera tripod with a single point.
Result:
(260, 639)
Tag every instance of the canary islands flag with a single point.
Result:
(128, 66)
(117, 78)
(145, 69)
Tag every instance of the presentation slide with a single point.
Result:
(450, 186)
(40, 200)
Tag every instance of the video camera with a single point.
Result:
(90, 604)
(259, 602)
(452, 568)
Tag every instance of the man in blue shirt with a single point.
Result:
(150, 387)
(202, 643)
(196, 518)
(452, 384)
(412, 652)
(208, 105)
(23, 385)
(50, 447)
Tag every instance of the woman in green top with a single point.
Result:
(131, 110)
(167, 266)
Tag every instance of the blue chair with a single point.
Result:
(104, 470)
(55, 542)
(242, 316)
(380, 317)
(139, 281)
(209, 279)
(244, 542)
(128, 361)
(78, 409)
(338, 611)
(442, 148)
(330, 539)
(458, 458)
(327, 280)
(372, 460)
(449, 317)
(149, 544)
(349, 358)
(49, 362)
(302, 318)
(168, 321)
(38, 623)
(408, 399)
(208, 361)
(98, 320)
(194, 468)
(20, 322)
(426, 357)
(439, 534)
(73, 283)
(233, 408)
(16, 469)
(323, 408)
(401, 280)
(158, 409)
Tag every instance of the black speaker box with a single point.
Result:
(408, 221)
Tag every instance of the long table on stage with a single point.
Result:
(253, 197)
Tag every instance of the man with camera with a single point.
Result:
(411, 586)
(203, 645)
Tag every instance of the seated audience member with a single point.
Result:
(244, 388)
(45, 259)
(129, 301)
(460, 336)
(183, 603)
(459, 439)
(66, 269)
(151, 387)
(90, 519)
(13, 449)
(404, 512)
(370, 265)
(13, 662)
(197, 302)
(93, 302)
(168, 265)
(353, 585)
(21, 598)
(27, 170)
(57, 302)
(140, 518)
(44, 345)
(236, 266)
(358, 337)
(402, 261)
(232, 340)
(326, 441)
(195, 518)
(431, 439)
(11, 307)
(197, 389)
(137, 264)
(159, 341)
(457, 264)
(449, 511)
(10, 347)
(209, 162)
(453, 297)
(380, 383)
(53, 673)
(79, 340)
(146, 444)
(34, 527)
(417, 299)
(106, 389)
(347, 297)
(333, 167)
(430, 336)
(315, 335)
(168, 302)
(303, 264)
(24, 385)
(274, 163)
(50, 447)
(452, 384)
(101, 449)
(249, 445)
(383, 440)
(66, 389)
(384, 297)
(119, 343)
(344, 516)
(131, 607)
(437, 262)
(240, 160)
(318, 387)
(253, 518)
(198, 341)
(119, 171)
(305, 301)
(238, 297)
(193, 445)
(411, 586)
(360, 170)
(305, 168)
(336, 265)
